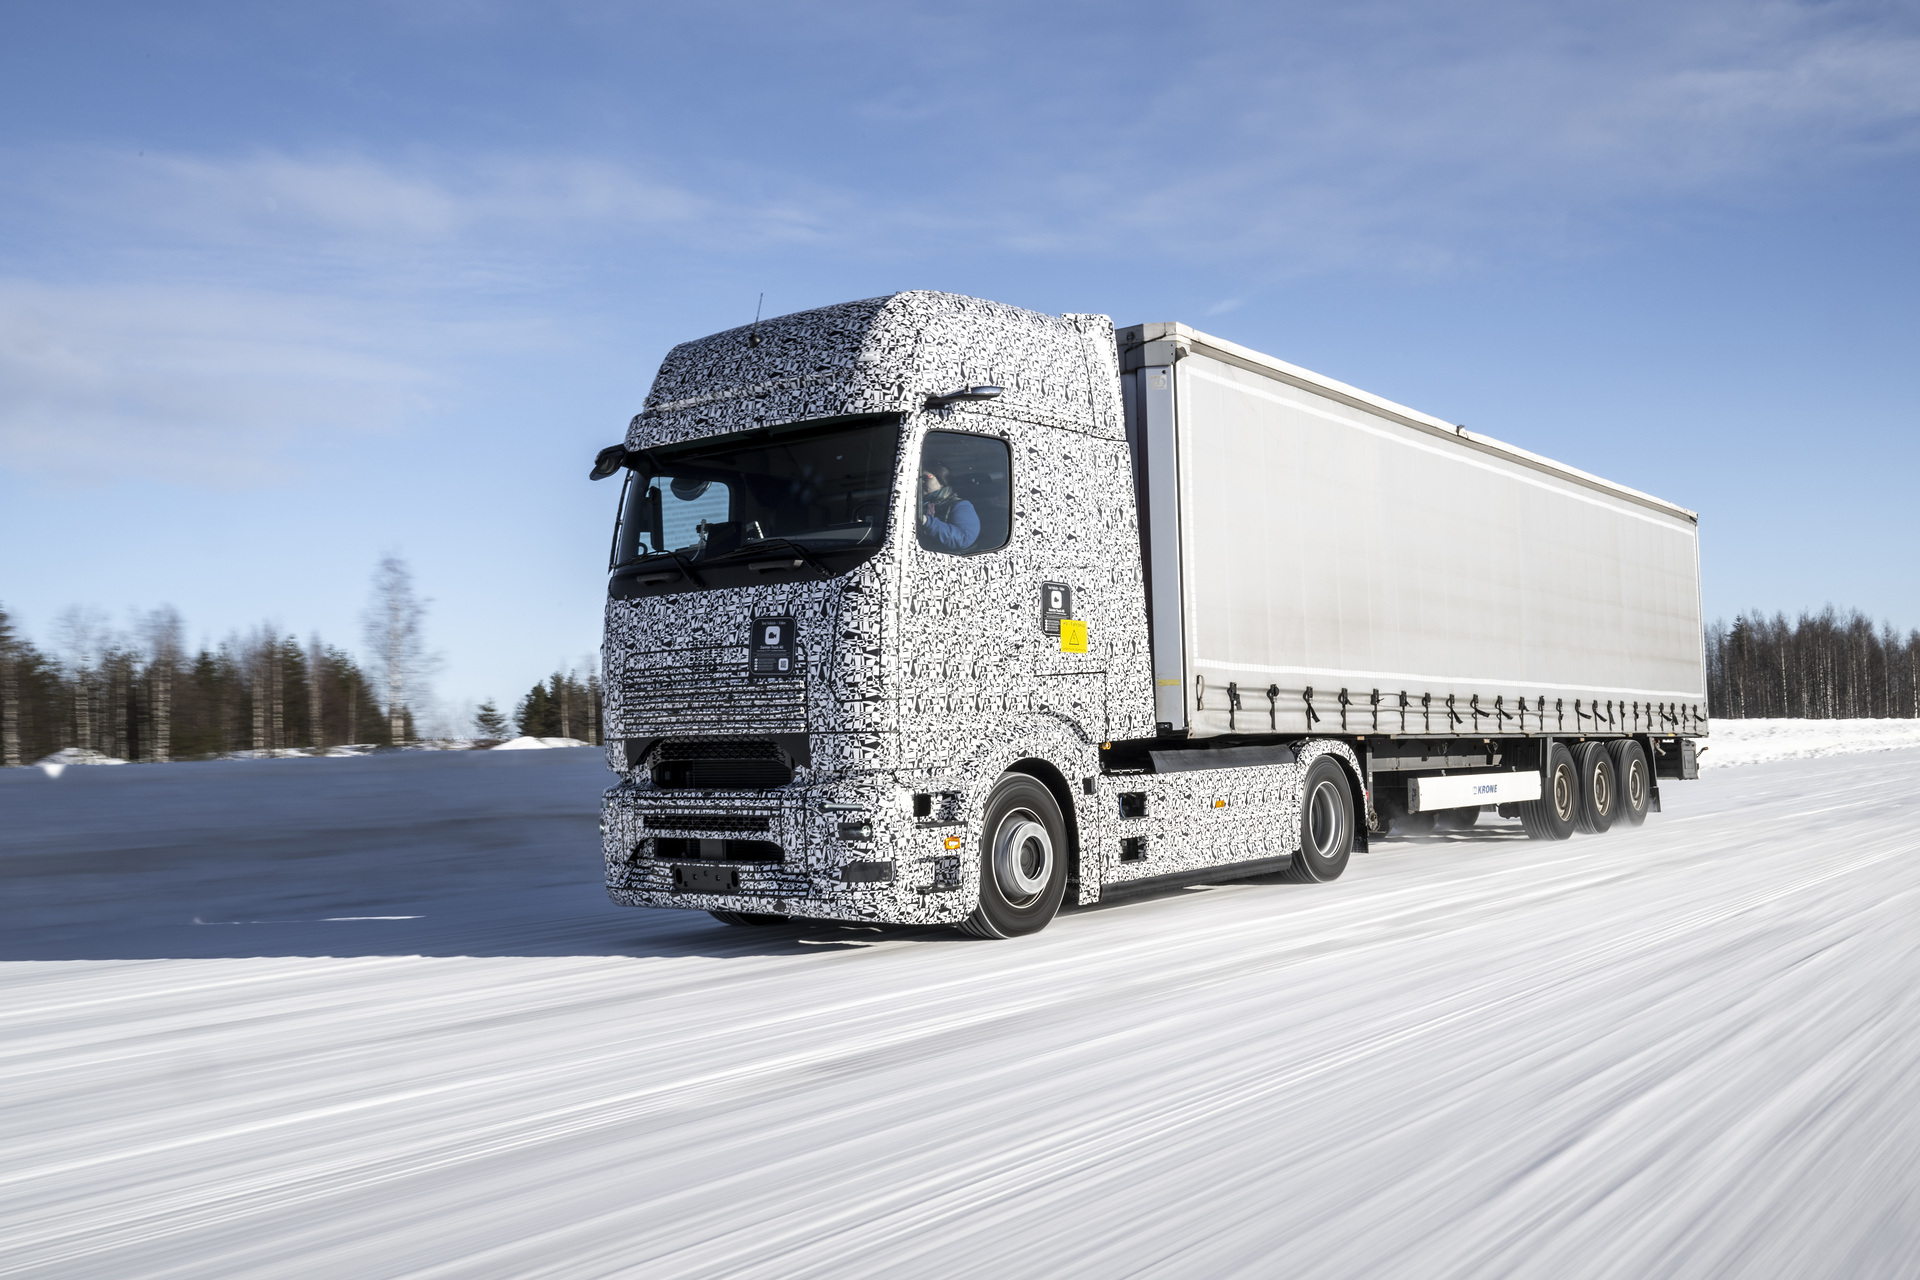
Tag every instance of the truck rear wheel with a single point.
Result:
(1326, 825)
(1599, 789)
(1023, 860)
(1551, 817)
(1636, 780)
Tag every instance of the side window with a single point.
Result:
(685, 506)
(966, 493)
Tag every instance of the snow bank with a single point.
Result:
(538, 744)
(56, 764)
(1735, 742)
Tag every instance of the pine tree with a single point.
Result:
(489, 722)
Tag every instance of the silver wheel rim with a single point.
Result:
(1325, 818)
(1563, 794)
(1636, 787)
(1602, 789)
(1022, 857)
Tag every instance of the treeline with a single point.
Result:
(565, 706)
(144, 697)
(1822, 666)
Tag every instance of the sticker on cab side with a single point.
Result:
(1073, 635)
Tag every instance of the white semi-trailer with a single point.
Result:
(928, 609)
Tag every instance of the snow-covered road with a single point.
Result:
(408, 1037)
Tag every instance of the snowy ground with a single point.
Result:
(377, 1020)
(1736, 742)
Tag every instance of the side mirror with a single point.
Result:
(608, 461)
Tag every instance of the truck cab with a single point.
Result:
(848, 545)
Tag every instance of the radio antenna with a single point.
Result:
(753, 335)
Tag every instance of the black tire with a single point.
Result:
(1458, 819)
(1636, 780)
(1552, 816)
(1326, 825)
(1599, 788)
(747, 917)
(1023, 860)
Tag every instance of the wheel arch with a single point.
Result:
(1342, 755)
(1048, 775)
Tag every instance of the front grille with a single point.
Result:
(708, 822)
(747, 765)
(707, 694)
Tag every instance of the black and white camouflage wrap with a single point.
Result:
(919, 672)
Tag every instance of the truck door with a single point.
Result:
(961, 650)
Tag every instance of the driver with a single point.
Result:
(945, 516)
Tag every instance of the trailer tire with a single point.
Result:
(1023, 860)
(1326, 825)
(1636, 780)
(1599, 788)
(748, 917)
(1552, 816)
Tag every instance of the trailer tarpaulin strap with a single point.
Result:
(1375, 700)
(1426, 713)
(1473, 705)
(1560, 711)
(1500, 708)
(1343, 711)
(1453, 717)
(1403, 711)
(1313, 717)
(1273, 708)
(1233, 701)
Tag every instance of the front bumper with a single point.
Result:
(851, 849)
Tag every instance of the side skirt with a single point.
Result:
(1201, 875)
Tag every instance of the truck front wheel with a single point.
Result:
(1326, 825)
(1023, 860)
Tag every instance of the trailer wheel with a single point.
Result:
(1551, 817)
(747, 917)
(1326, 825)
(1023, 860)
(1599, 789)
(1636, 780)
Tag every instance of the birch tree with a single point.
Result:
(162, 632)
(395, 645)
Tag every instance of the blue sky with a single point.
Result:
(282, 291)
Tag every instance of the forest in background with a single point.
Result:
(1822, 666)
(140, 695)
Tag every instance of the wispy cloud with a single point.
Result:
(211, 389)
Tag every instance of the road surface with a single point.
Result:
(374, 1018)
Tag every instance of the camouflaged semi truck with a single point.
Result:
(926, 609)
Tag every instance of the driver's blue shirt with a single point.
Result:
(962, 533)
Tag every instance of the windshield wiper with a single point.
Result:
(760, 549)
(680, 562)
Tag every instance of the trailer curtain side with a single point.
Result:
(1323, 545)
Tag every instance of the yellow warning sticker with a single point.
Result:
(1073, 636)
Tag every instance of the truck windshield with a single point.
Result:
(804, 491)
